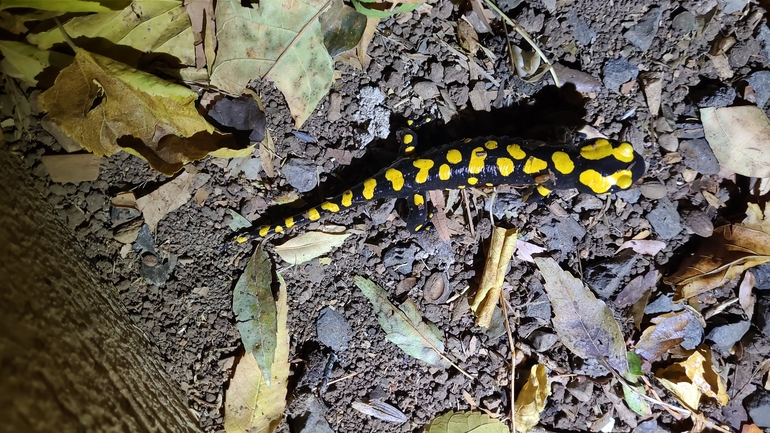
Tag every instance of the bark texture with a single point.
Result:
(70, 358)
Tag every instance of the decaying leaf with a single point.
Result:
(633, 396)
(732, 249)
(693, 378)
(466, 422)
(255, 311)
(250, 404)
(498, 258)
(404, 326)
(342, 27)
(740, 138)
(166, 199)
(67, 5)
(106, 107)
(643, 246)
(745, 298)
(531, 399)
(81, 167)
(524, 250)
(584, 323)
(309, 245)
(275, 39)
(669, 330)
(380, 410)
(528, 64)
(385, 8)
(148, 26)
(27, 62)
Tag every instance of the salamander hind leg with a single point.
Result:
(420, 213)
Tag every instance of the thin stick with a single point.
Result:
(526, 37)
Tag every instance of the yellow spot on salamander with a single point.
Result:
(278, 229)
(491, 144)
(331, 207)
(410, 122)
(418, 228)
(477, 160)
(602, 148)
(419, 200)
(408, 139)
(490, 184)
(347, 198)
(504, 166)
(562, 162)
(396, 178)
(515, 151)
(313, 214)
(409, 150)
(368, 191)
(460, 186)
(444, 172)
(423, 165)
(473, 181)
(601, 184)
(289, 222)
(264, 231)
(453, 156)
(242, 239)
(534, 165)
(543, 190)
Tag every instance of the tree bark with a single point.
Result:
(70, 358)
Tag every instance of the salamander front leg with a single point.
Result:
(419, 213)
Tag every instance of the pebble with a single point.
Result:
(727, 335)
(301, 174)
(699, 223)
(684, 22)
(665, 220)
(618, 72)
(426, 90)
(758, 406)
(95, 201)
(653, 190)
(584, 35)
(732, 6)
(760, 81)
(714, 96)
(436, 72)
(698, 156)
(650, 426)
(75, 216)
(668, 142)
(642, 34)
(332, 330)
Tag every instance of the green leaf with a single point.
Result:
(376, 13)
(404, 326)
(634, 363)
(255, 311)
(67, 5)
(275, 39)
(238, 222)
(342, 28)
(466, 422)
(27, 62)
(635, 402)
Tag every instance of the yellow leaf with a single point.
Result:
(466, 422)
(756, 219)
(308, 246)
(692, 378)
(531, 399)
(67, 5)
(498, 258)
(250, 404)
(740, 138)
(27, 62)
(278, 39)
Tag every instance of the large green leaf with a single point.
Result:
(281, 40)
(67, 5)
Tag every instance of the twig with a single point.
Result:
(526, 37)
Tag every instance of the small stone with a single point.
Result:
(668, 142)
(699, 224)
(665, 220)
(642, 34)
(653, 190)
(95, 202)
(332, 330)
(684, 22)
(301, 174)
(618, 72)
(436, 72)
(760, 81)
(727, 335)
(699, 156)
(758, 406)
(426, 90)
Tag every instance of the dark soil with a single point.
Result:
(189, 317)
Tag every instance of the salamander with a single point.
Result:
(598, 166)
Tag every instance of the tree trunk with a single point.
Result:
(70, 358)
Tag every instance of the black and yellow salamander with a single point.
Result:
(598, 166)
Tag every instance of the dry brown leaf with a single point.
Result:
(732, 250)
(636, 289)
(652, 83)
(81, 167)
(201, 14)
(166, 199)
(366, 39)
(498, 258)
(693, 378)
(531, 399)
(643, 246)
(583, 323)
(668, 331)
(756, 219)
(125, 199)
(745, 298)
(468, 37)
(309, 245)
(740, 138)
(525, 250)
